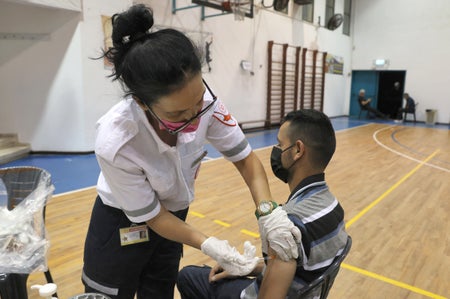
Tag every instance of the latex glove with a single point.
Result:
(229, 258)
(249, 251)
(217, 272)
(280, 234)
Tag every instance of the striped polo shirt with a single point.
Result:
(320, 218)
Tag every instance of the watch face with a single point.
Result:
(265, 207)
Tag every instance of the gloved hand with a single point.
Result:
(280, 234)
(229, 258)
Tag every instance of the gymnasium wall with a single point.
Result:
(52, 93)
(413, 36)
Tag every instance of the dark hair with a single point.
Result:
(314, 128)
(150, 64)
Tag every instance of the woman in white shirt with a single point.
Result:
(149, 148)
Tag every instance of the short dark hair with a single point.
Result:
(150, 64)
(315, 130)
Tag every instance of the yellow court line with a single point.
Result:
(196, 214)
(249, 233)
(222, 223)
(225, 224)
(375, 202)
(392, 281)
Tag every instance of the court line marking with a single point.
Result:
(196, 214)
(250, 233)
(374, 136)
(391, 281)
(411, 149)
(387, 192)
(370, 206)
(344, 265)
(364, 211)
(222, 223)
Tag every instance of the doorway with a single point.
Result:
(384, 87)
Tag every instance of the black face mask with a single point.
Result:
(277, 167)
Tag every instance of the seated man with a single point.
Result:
(410, 106)
(365, 105)
(306, 144)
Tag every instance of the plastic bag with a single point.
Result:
(23, 243)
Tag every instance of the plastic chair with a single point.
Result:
(321, 286)
(413, 112)
(360, 112)
(24, 191)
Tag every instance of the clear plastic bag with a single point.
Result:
(23, 242)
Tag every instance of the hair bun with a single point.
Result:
(134, 22)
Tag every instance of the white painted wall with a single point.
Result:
(40, 80)
(414, 36)
(52, 93)
(74, 5)
(245, 95)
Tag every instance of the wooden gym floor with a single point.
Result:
(392, 180)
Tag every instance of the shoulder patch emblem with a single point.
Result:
(221, 114)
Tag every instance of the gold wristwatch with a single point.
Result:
(265, 208)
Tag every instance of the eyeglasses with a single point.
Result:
(198, 115)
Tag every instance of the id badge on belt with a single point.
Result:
(133, 234)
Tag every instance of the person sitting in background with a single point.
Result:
(365, 105)
(410, 106)
(306, 144)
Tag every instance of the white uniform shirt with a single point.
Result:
(139, 172)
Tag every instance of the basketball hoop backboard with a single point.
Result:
(240, 8)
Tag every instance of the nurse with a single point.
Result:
(149, 147)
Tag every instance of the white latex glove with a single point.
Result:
(280, 234)
(229, 258)
(249, 251)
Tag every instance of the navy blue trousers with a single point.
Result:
(193, 283)
(148, 269)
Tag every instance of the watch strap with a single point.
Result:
(273, 206)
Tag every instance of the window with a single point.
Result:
(308, 12)
(347, 13)
(329, 11)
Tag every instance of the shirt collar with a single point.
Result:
(307, 181)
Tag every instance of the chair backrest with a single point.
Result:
(321, 286)
(20, 182)
(411, 104)
(24, 193)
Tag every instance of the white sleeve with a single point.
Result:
(226, 136)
